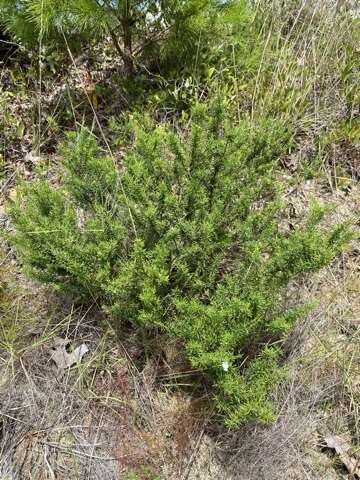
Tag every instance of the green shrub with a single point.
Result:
(185, 238)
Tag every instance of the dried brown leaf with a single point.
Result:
(64, 359)
(343, 447)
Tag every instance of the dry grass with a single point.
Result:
(49, 427)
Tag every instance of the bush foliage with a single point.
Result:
(186, 238)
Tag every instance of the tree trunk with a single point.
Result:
(125, 54)
(126, 22)
(124, 46)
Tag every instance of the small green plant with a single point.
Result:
(186, 239)
(143, 475)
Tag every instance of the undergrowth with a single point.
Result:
(184, 239)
